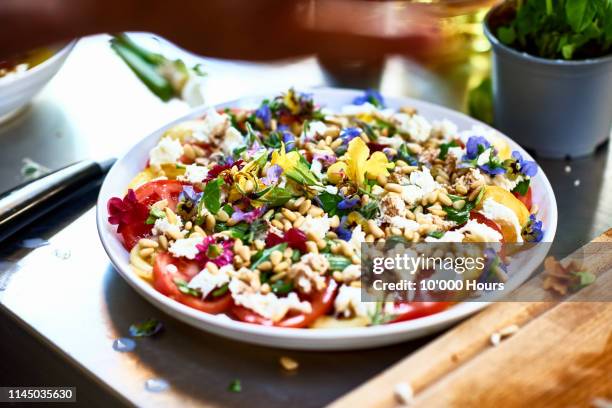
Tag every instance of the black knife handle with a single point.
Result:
(27, 202)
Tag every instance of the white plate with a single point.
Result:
(306, 339)
(17, 90)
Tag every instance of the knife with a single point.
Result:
(28, 202)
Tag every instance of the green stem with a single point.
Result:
(549, 7)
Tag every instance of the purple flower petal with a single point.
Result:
(264, 114)
(348, 203)
(471, 147)
(492, 170)
(248, 216)
(349, 133)
(327, 159)
(372, 96)
(527, 167)
(272, 175)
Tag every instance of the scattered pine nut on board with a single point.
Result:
(560, 356)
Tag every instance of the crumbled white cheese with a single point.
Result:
(171, 268)
(318, 226)
(421, 183)
(481, 232)
(231, 140)
(194, 173)
(395, 142)
(348, 302)
(449, 236)
(331, 189)
(314, 128)
(392, 205)
(357, 237)
(404, 223)
(163, 226)
(484, 157)
(354, 110)
(185, 247)
(269, 305)
(167, 151)
(214, 124)
(499, 212)
(445, 128)
(457, 152)
(416, 126)
(504, 182)
(206, 282)
(316, 167)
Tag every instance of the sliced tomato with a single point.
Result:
(157, 190)
(132, 233)
(478, 217)
(322, 302)
(164, 282)
(413, 310)
(525, 199)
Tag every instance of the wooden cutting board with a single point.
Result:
(561, 355)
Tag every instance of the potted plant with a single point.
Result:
(552, 73)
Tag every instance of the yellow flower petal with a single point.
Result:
(286, 160)
(378, 165)
(357, 155)
(336, 172)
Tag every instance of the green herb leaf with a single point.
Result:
(406, 155)
(370, 210)
(212, 195)
(154, 214)
(436, 234)
(264, 255)
(444, 149)
(235, 386)
(584, 279)
(338, 262)
(275, 196)
(146, 328)
(183, 288)
(522, 187)
(460, 216)
(221, 291)
(280, 287)
(329, 202)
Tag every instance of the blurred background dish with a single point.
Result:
(23, 76)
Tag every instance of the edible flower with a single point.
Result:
(249, 216)
(264, 114)
(370, 96)
(220, 168)
(128, 210)
(219, 253)
(532, 232)
(475, 146)
(528, 168)
(189, 195)
(349, 133)
(272, 175)
(348, 203)
(294, 237)
(342, 231)
(357, 165)
(294, 166)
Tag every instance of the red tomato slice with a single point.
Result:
(321, 302)
(525, 199)
(157, 190)
(132, 233)
(163, 282)
(414, 310)
(481, 219)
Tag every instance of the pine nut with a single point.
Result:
(290, 215)
(457, 205)
(146, 252)
(222, 216)
(147, 243)
(265, 266)
(276, 257)
(210, 222)
(375, 229)
(312, 247)
(393, 187)
(212, 268)
(304, 206)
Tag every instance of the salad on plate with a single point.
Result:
(258, 215)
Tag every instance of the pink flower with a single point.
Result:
(219, 253)
(126, 211)
(248, 216)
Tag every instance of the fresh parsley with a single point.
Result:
(183, 288)
(444, 149)
(154, 214)
(280, 287)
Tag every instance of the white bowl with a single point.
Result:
(19, 89)
(305, 339)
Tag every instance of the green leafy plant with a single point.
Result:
(567, 29)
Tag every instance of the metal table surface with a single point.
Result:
(67, 298)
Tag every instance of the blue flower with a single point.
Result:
(348, 203)
(372, 96)
(527, 167)
(532, 232)
(288, 137)
(492, 168)
(349, 133)
(264, 114)
(475, 146)
(189, 195)
(343, 232)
